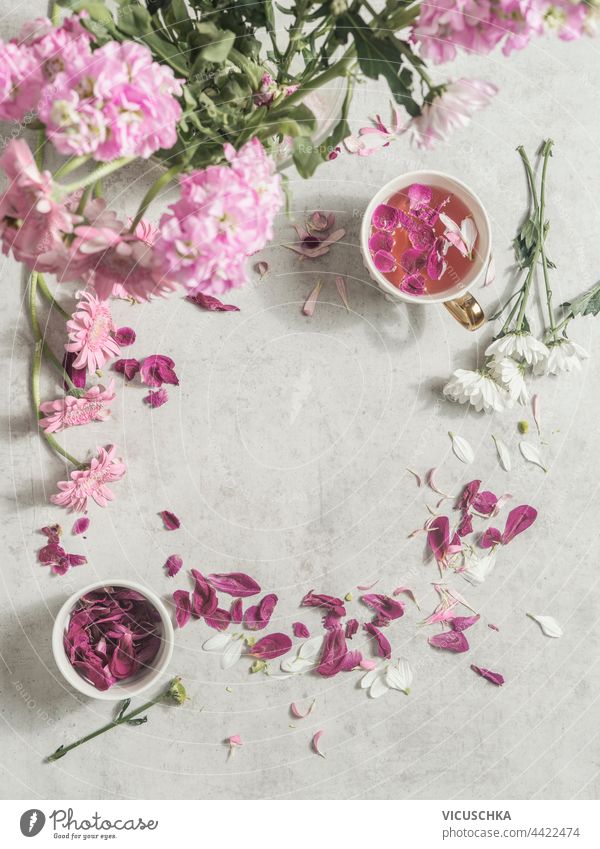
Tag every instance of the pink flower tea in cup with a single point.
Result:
(423, 240)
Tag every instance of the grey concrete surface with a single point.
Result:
(284, 452)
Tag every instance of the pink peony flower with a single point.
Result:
(91, 330)
(71, 412)
(91, 483)
(451, 109)
(20, 82)
(32, 223)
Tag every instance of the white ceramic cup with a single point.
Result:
(126, 689)
(458, 300)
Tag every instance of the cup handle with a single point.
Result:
(467, 311)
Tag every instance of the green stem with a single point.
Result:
(62, 750)
(70, 165)
(511, 315)
(339, 69)
(152, 192)
(542, 225)
(97, 174)
(47, 294)
(527, 288)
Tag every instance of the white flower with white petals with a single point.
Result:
(477, 388)
(520, 345)
(564, 355)
(510, 374)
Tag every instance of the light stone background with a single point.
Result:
(284, 451)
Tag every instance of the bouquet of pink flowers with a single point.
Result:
(190, 85)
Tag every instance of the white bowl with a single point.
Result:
(475, 207)
(126, 689)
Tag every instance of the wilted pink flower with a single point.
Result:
(300, 630)
(129, 368)
(237, 584)
(384, 648)
(91, 482)
(448, 111)
(335, 656)
(158, 369)
(259, 615)
(20, 81)
(71, 412)
(494, 677)
(91, 329)
(56, 557)
(173, 564)
(271, 646)
(156, 399)
(451, 640)
(385, 607)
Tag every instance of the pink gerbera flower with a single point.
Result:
(70, 411)
(91, 483)
(91, 331)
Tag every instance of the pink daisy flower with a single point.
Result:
(91, 333)
(91, 483)
(71, 412)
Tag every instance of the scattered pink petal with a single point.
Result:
(219, 619)
(128, 368)
(342, 290)
(183, 607)
(158, 369)
(518, 521)
(368, 586)
(335, 656)
(493, 627)
(490, 538)
(315, 743)
(259, 615)
(271, 646)
(125, 336)
(261, 267)
(368, 664)
(237, 584)
(300, 630)
(431, 479)
(385, 607)
(300, 714)
(234, 742)
(438, 538)
(408, 592)
(351, 628)
(535, 409)
(504, 499)
(466, 525)
(237, 612)
(461, 623)
(157, 398)
(311, 302)
(384, 649)
(451, 640)
(204, 597)
(330, 603)
(170, 520)
(80, 526)
(53, 532)
(494, 677)
(173, 564)
(210, 303)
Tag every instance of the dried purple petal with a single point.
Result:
(173, 564)
(351, 628)
(384, 648)
(219, 619)
(125, 336)
(461, 623)
(204, 597)
(128, 368)
(212, 304)
(331, 603)
(237, 611)
(271, 646)
(157, 398)
(237, 584)
(494, 677)
(80, 526)
(170, 520)
(385, 607)
(259, 615)
(335, 656)
(300, 630)
(451, 640)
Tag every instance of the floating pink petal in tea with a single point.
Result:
(385, 217)
(80, 526)
(413, 260)
(212, 304)
(300, 630)
(381, 241)
(494, 677)
(419, 195)
(125, 336)
(384, 649)
(315, 743)
(384, 261)
(173, 564)
(450, 640)
(170, 520)
(237, 584)
(413, 284)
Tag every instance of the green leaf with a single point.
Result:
(96, 10)
(307, 157)
(211, 43)
(121, 708)
(587, 303)
(139, 720)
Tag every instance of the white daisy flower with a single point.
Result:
(477, 388)
(520, 345)
(510, 374)
(564, 355)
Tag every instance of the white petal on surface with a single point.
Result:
(532, 454)
(503, 454)
(548, 624)
(462, 448)
(297, 665)
(232, 654)
(311, 648)
(378, 687)
(400, 677)
(367, 680)
(478, 571)
(490, 275)
(217, 643)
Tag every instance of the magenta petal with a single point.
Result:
(237, 611)
(300, 630)
(490, 537)
(237, 584)
(204, 597)
(413, 284)
(484, 503)
(468, 494)
(123, 662)
(438, 537)
(330, 603)
(170, 520)
(219, 619)
(80, 526)
(158, 369)
(156, 399)
(351, 628)
(271, 646)
(436, 264)
(125, 336)
(53, 532)
(518, 520)
(461, 623)
(183, 607)
(208, 302)
(384, 648)
(173, 565)
(258, 616)
(351, 660)
(413, 260)
(77, 375)
(50, 553)
(451, 640)
(494, 677)
(128, 368)
(466, 525)
(419, 195)
(333, 653)
(381, 241)
(385, 217)
(385, 607)
(384, 262)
